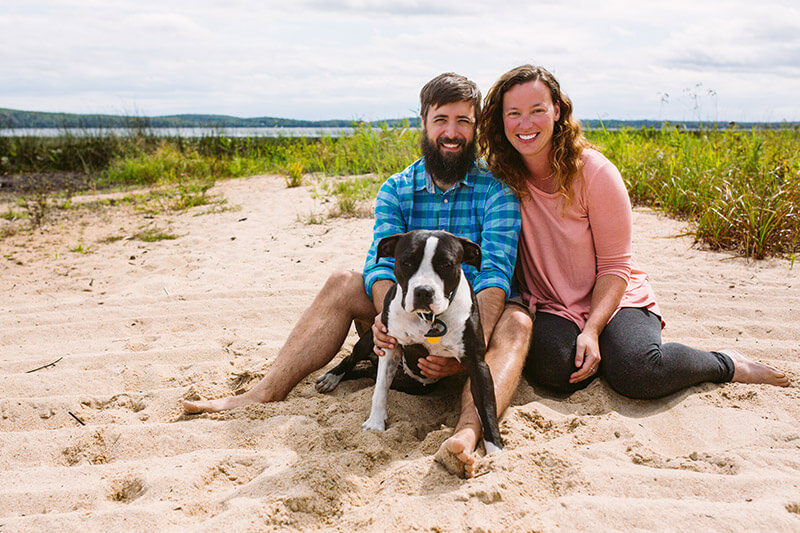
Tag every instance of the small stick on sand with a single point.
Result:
(45, 366)
(81, 422)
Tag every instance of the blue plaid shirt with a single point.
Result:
(478, 208)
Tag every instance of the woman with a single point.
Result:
(595, 313)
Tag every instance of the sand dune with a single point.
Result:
(98, 441)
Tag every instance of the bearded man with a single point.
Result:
(446, 189)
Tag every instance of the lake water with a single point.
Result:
(183, 132)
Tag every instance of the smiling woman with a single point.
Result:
(527, 130)
(595, 311)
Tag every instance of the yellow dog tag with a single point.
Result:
(437, 331)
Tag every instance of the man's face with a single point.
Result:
(448, 143)
(451, 127)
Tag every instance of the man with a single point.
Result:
(446, 190)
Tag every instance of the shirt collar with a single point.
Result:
(424, 181)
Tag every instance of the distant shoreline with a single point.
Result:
(16, 120)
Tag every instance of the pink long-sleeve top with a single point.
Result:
(562, 252)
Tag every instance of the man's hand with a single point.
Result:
(433, 366)
(380, 338)
(436, 367)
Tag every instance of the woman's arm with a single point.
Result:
(611, 223)
(607, 293)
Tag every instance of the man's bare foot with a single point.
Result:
(748, 371)
(457, 454)
(215, 406)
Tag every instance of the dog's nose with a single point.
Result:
(423, 295)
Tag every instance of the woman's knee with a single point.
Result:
(551, 367)
(554, 379)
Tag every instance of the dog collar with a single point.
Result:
(438, 327)
(437, 331)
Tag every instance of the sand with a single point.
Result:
(98, 441)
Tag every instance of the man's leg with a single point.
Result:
(505, 356)
(314, 341)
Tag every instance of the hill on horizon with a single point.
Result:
(17, 119)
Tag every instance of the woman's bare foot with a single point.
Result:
(215, 406)
(748, 371)
(457, 454)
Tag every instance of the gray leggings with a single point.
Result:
(634, 362)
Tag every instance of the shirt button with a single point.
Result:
(445, 200)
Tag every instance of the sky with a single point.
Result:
(709, 60)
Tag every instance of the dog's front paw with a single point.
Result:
(327, 382)
(374, 423)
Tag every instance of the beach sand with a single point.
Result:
(99, 442)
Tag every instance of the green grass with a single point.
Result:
(154, 235)
(80, 248)
(739, 190)
(11, 215)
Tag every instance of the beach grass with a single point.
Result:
(737, 189)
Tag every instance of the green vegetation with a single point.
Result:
(12, 118)
(740, 189)
(154, 235)
(80, 248)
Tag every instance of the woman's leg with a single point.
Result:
(551, 358)
(637, 365)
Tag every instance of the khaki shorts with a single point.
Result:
(517, 300)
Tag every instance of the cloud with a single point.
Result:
(396, 7)
(767, 41)
(368, 59)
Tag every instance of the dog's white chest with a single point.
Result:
(410, 328)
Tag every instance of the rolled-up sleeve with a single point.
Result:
(499, 235)
(389, 219)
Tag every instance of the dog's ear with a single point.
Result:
(472, 253)
(387, 245)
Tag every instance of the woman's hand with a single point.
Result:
(587, 357)
(380, 338)
(436, 367)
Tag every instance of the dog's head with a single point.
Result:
(428, 266)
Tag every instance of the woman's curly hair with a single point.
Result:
(504, 160)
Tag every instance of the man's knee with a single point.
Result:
(343, 287)
(508, 346)
(515, 325)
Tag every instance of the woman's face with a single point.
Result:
(528, 118)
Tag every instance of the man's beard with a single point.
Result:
(447, 169)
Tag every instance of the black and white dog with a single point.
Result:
(430, 310)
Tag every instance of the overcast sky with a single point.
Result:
(367, 59)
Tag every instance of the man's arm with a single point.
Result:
(500, 226)
(389, 219)
(379, 290)
(491, 302)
